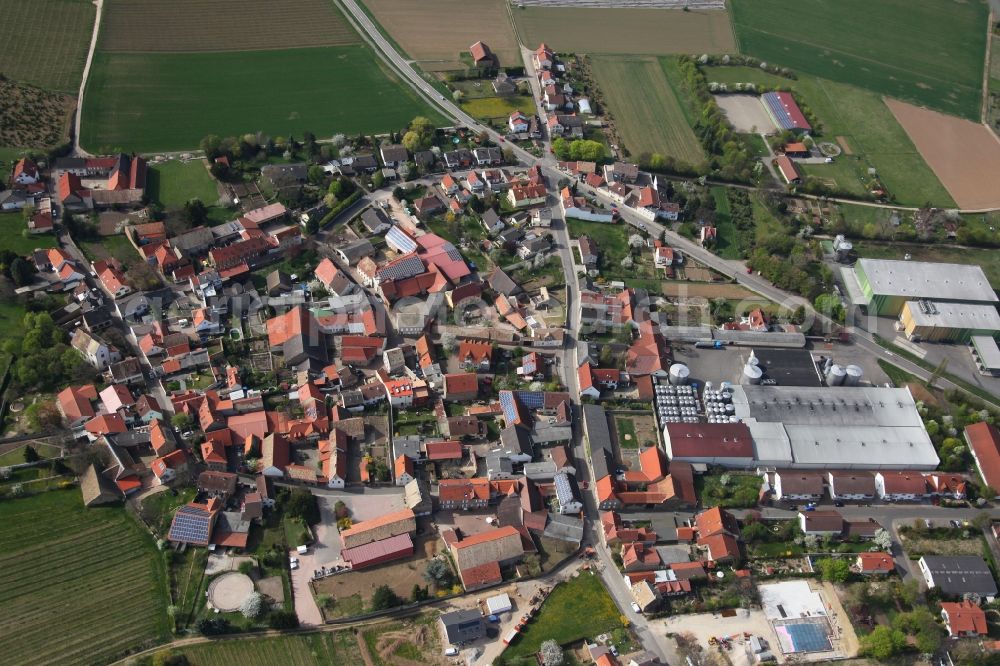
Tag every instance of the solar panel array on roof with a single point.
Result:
(508, 406)
(401, 269)
(190, 525)
(398, 240)
(531, 399)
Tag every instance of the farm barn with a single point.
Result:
(787, 115)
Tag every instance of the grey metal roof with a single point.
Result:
(925, 279)
(566, 528)
(955, 575)
(462, 625)
(988, 351)
(845, 427)
(955, 315)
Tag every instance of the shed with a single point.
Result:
(499, 604)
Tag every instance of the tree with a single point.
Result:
(21, 272)
(30, 455)
(43, 415)
(551, 653)
(834, 569)
(302, 504)
(195, 213)
(282, 619)
(316, 175)
(418, 593)
(883, 539)
(181, 421)
(384, 598)
(883, 642)
(830, 305)
(756, 531)
(439, 573)
(212, 626)
(252, 606)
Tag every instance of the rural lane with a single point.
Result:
(77, 150)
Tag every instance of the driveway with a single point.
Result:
(305, 606)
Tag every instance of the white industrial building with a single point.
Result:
(844, 427)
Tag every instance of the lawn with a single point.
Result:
(497, 108)
(626, 432)
(78, 586)
(645, 109)
(726, 245)
(611, 239)
(338, 647)
(632, 30)
(11, 226)
(418, 30)
(170, 101)
(117, 246)
(172, 184)
(867, 126)
(728, 490)
(988, 259)
(578, 608)
(16, 456)
(45, 42)
(933, 56)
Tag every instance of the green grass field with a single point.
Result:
(45, 42)
(578, 608)
(867, 125)
(11, 226)
(78, 586)
(497, 108)
(725, 240)
(173, 184)
(339, 647)
(645, 109)
(933, 55)
(160, 102)
(117, 246)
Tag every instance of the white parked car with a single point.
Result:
(636, 608)
(293, 563)
(451, 652)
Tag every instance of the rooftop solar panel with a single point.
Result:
(531, 399)
(400, 241)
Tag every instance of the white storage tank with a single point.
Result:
(752, 374)
(854, 375)
(835, 375)
(679, 374)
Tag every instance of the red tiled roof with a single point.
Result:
(461, 383)
(459, 489)
(876, 562)
(965, 617)
(984, 438)
(482, 575)
(447, 450)
(710, 440)
(904, 483)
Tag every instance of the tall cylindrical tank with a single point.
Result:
(752, 374)
(854, 375)
(679, 374)
(835, 375)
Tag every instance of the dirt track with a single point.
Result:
(965, 156)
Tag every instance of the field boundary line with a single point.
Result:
(985, 109)
(78, 121)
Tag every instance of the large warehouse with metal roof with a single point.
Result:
(849, 427)
(886, 285)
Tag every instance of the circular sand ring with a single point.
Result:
(830, 149)
(229, 591)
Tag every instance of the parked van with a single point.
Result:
(451, 652)
(302, 550)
